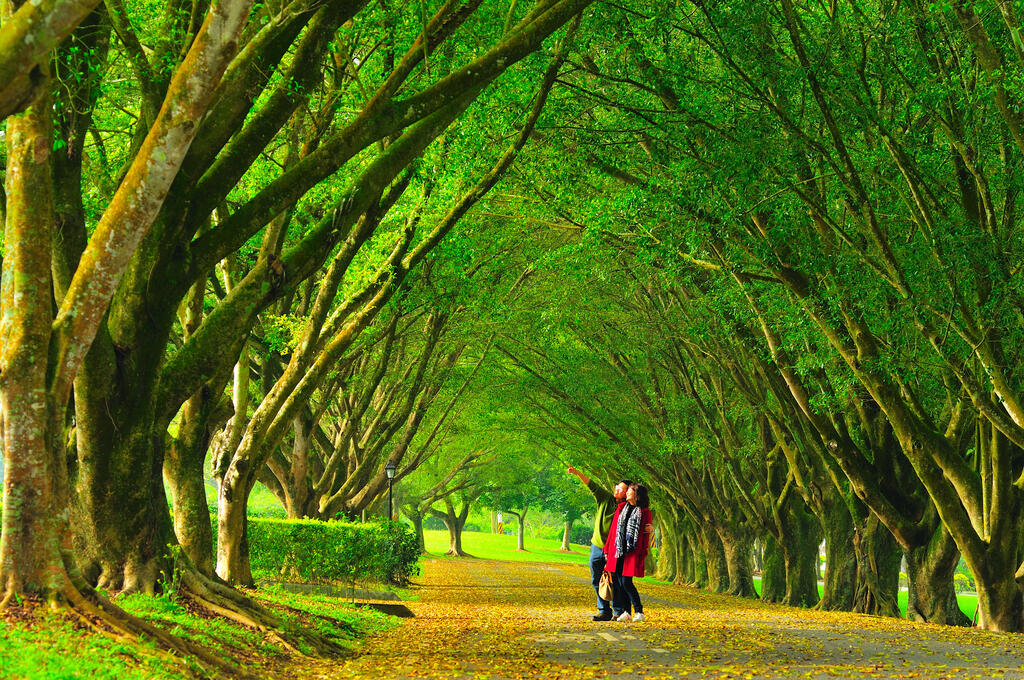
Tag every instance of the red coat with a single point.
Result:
(632, 562)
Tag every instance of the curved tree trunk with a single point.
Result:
(183, 473)
(520, 529)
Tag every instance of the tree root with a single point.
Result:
(228, 602)
(97, 613)
(867, 600)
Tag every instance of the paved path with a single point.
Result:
(481, 619)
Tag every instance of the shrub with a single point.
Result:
(432, 523)
(581, 533)
(962, 583)
(333, 551)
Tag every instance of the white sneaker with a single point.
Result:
(639, 616)
(623, 617)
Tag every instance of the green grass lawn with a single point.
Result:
(498, 547)
(968, 601)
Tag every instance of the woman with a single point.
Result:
(626, 548)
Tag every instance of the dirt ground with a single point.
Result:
(483, 619)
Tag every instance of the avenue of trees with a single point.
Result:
(793, 303)
(764, 257)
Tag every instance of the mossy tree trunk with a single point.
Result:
(773, 578)
(716, 567)
(840, 557)
(930, 568)
(698, 563)
(736, 545)
(800, 555)
(878, 569)
(34, 551)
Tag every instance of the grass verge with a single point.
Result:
(38, 644)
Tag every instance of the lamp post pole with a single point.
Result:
(389, 470)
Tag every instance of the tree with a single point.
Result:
(563, 497)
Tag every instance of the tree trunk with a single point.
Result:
(232, 537)
(454, 537)
(183, 473)
(192, 524)
(773, 577)
(840, 558)
(521, 531)
(800, 554)
(878, 569)
(566, 535)
(714, 559)
(34, 523)
(667, 568)
(736, 547)
(697, 562)
(1000, 606)
(454, 521)
(417, 524)
(930, 570)
(687, 562)
(122, 525)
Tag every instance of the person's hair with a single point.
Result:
(626, 482)
(643, 497)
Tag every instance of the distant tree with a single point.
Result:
(564, 497)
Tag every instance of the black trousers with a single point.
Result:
(630, 596)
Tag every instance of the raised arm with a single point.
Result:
(583, 477)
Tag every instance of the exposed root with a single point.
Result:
(868, 600)
(225, 601)
(97, 613)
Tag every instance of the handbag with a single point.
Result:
(605, 588)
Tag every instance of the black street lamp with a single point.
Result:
(389, 470)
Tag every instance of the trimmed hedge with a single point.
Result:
(333, 551)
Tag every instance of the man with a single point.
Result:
(606, 505)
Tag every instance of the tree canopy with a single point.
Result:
(763, 257)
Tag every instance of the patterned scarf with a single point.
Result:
(627, 533)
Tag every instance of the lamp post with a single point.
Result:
(389, 470)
